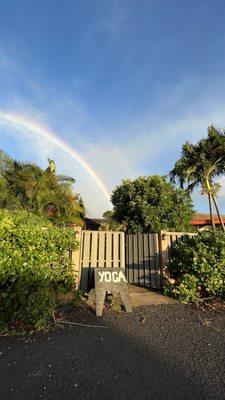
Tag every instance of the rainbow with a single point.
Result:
(18, 120)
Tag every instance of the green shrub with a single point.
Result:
(198, 267)
(186, 290)
(34, 268)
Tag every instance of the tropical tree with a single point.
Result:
(5, 162)
(110, 224)
(39, 191)
(7, 199)
(200, 164)
(151, 203)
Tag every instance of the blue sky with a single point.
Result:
(124, 83)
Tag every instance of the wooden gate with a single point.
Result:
(98, 250)
(145, 255)
(143, 263)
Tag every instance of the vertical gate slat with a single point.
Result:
(101, 249)
(140, 260)
(129, 248)
(132, 257)
(86, 249)
(109, 250)
(172, 240)
(146, 260)
(94, 250)
(126, 258)
(127, 266)
(85, 261)
(122, 250)
(115, 249)
(152, 258)
(157, 261)
(135, 259)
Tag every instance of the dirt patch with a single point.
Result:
(212, 314)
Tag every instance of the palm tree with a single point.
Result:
(42, 191)
(200, 164)
(5, 161)
(7, 199)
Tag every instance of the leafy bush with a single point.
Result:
(198, 267)
(34, 268)
(150, 204)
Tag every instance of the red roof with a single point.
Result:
(204, 219)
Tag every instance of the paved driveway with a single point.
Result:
(158, 352)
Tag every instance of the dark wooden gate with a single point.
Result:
(143, 263)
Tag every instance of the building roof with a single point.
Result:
(93, 224)
(199, 219)
(204, 219)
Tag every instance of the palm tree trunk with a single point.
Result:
(210, 210)
(218, 213)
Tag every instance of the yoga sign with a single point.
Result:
(111, 276)
(111, 280)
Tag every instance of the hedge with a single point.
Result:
(34, 268)
(197, 267)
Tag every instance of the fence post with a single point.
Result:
(76, 256)
(163, 254)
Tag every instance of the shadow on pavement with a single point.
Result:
(168, 356)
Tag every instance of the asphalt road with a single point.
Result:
(159, 352)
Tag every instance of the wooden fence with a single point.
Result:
(98, 250)
(144, 256)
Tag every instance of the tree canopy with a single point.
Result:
(151, 203)
(43, 192)
(110, 224)
(199, 165)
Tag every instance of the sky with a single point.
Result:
(110, 89)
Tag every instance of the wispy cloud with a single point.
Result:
(14, 76)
